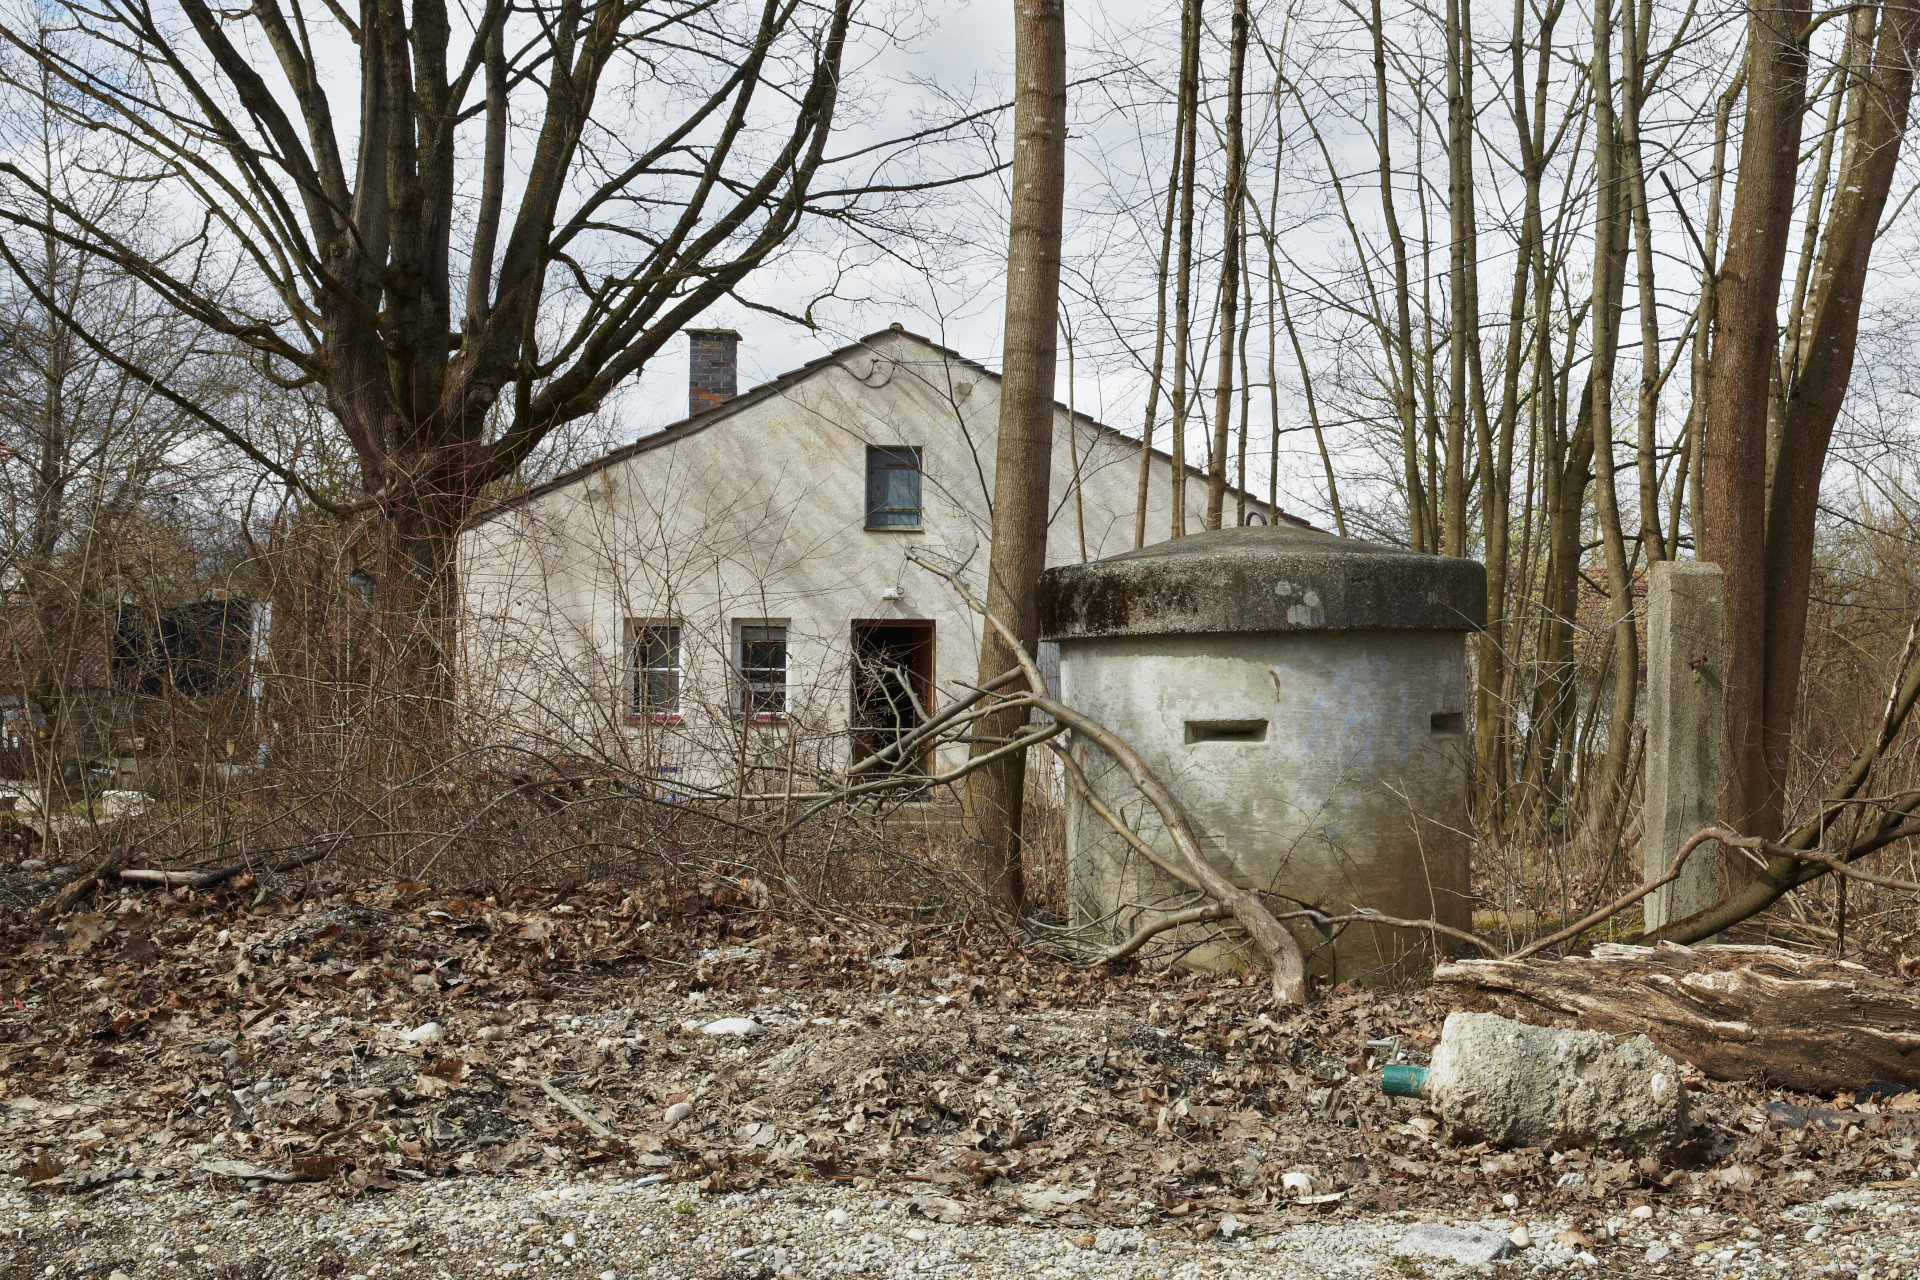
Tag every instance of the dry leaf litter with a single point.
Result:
(360, 1080)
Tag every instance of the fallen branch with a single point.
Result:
(1282, 951)
(219, 876)
(1805, 1022)
(74, 890)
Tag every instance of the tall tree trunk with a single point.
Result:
(1399, 342)
(1460, 250)
(1024, 453)
(1609, 286)
(1734, 501)
(1160, 321)
(1496, 463)
(1877, 125)
(1231, 235)
(1189, 127)
(1637, 14)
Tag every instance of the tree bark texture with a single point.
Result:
(1734, 503)
(1801, 1022)
(1023, 460)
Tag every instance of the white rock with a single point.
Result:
(426, 1033)
(1658, 1251)
(1510, 1200)
(678, 1111)
(917, 1236)
(1521, 1239)
(569, 1241)
(1815, 1232)
(1642, 1211)
(33, 864)
(732, 1027)
(1586, 1259)
(839, 1217)
(1300, 1184)
(124, 804)
(1230, 1227)
(1470, 1248)
(609, 1275)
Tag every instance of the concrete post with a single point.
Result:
(1684, 691)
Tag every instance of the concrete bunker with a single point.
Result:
(1304, 697)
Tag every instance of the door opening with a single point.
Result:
(892, 687)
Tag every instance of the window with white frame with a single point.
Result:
(655, 658)
(760, 667)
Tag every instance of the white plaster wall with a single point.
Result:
(1354, 797)
(760, 517)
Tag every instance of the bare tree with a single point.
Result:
(536, 201)
(84, 447)
(1023, 461)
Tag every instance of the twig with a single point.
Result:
(573, 1109)
(1621, 903)
(1153, 928)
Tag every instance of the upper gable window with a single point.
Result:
(893, 487)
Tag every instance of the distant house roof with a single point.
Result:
(699, 422)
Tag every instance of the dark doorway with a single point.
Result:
(892, 686)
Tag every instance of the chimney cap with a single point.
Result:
(713, 333)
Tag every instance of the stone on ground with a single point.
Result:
(1500, 1081)
(1454, 1244)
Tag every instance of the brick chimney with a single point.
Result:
(713, 368)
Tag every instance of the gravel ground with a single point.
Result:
(609, 1229)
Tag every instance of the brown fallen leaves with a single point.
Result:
(190, 1035)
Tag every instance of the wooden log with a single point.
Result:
(1735, 1012)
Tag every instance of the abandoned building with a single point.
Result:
(734, 593)
(116, 673)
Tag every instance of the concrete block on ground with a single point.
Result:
(1500, 1081)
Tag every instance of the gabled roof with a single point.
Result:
(699, 422)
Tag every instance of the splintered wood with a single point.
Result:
(1735, 1012)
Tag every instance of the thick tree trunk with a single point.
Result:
(1802, 1022)
(1023, 462)
(1734, 501)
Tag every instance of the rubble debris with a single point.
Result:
(1513, 1085)
(1802, 1021)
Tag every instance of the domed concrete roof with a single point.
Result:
(1262, 578)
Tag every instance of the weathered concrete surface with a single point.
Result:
(1277, 578)
(1326, 768)
(1455, 1244)
(1684, 666)
(1499, 1081)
